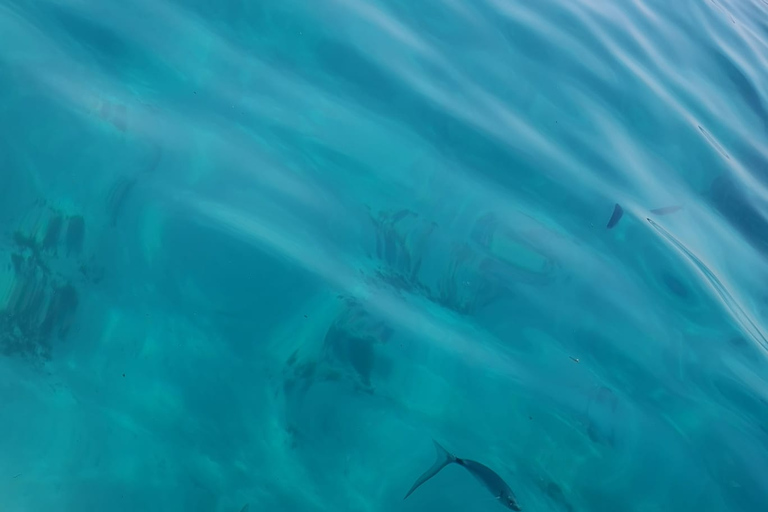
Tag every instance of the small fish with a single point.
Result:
(485, 475)
(575, 359)
(618, 211)
(666, 210)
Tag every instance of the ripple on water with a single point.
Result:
(330, 231)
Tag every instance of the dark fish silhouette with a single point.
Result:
(618, 211)
(485, 475)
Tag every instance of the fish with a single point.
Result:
(618, 211)
(485, 475)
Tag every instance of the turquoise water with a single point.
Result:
(260, 253)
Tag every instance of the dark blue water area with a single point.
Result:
(258, 255)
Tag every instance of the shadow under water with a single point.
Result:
(42, 299)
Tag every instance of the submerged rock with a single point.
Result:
(42, 301)
(53, 233)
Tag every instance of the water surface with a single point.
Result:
(262, 252)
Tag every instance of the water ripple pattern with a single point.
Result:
(256, 255)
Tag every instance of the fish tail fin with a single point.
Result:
(442, 453)
(443, 459)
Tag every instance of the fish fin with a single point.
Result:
(442, 453)
(618, 211)
(443, 459)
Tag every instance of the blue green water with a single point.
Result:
(260, 253)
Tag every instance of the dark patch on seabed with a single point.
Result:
(602, 416)
(354, 340)
(52, 234)
(43, 299)
(555, 494)
(401, 238)
(351, 352)
(38, 307)
(472, 275)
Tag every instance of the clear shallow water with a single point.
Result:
(263, 252)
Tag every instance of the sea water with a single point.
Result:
(258, 254)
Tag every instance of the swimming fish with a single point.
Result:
(485, 475)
